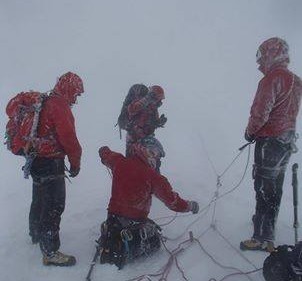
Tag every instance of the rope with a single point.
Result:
(165, 270)
(231, 164)
(163, 273)
(174, 218)
(206, 209)
(240, 273)
(216, 197)
(231, 245)
(215, 261)
(213, 200)
(208, 157)
(242, 178)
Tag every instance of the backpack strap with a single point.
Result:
(31, 155)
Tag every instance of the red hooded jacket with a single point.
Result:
(276, 104)
(133, 184)
(56, 131)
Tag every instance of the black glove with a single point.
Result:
(162, 120)
(73, 172)
(193, 207)
(248, 137)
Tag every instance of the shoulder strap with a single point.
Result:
(33, 132)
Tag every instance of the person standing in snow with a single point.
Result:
(271, 125)
(134, 181)
(56, 138)
(143, 113)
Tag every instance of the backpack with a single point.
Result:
(21, 129)
(136, 92)
(284, 264)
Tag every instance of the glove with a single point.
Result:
(73, 172)
(193, 207)
(248, 137)
(103, 150)
(162, 120)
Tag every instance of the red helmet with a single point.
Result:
(271, 52)
(69, 85)
(158, 92)
(149, 150)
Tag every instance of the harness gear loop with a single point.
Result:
(126, 234)
(143, 233)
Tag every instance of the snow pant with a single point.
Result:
(271, 159)
(48, 203)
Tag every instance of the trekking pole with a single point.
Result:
(295, 200)
(93, 262)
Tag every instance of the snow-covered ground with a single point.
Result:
(203, 54)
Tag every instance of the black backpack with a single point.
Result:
(137, 91)
(284, 264)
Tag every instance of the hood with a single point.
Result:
(69, 86)
(271, 54)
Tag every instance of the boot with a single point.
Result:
(255, 245)
(59, 259)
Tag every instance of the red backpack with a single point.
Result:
(21, 129)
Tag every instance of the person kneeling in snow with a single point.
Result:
(128, 233)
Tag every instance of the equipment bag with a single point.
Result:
(284, 264)
(21, 130)
(123, 240)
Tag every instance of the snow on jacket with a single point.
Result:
(56, 131)
(276, 103)
(144, 119)
(133, 184)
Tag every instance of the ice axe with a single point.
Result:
(295, 199)
(245, 145)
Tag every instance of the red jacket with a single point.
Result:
(56, 131)
(276, 104)
(133, 184)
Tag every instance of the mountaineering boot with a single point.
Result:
(255, 245)
(59, 259)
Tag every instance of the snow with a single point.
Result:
(203, 54)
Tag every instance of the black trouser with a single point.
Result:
(48, 202)
(271, 159)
